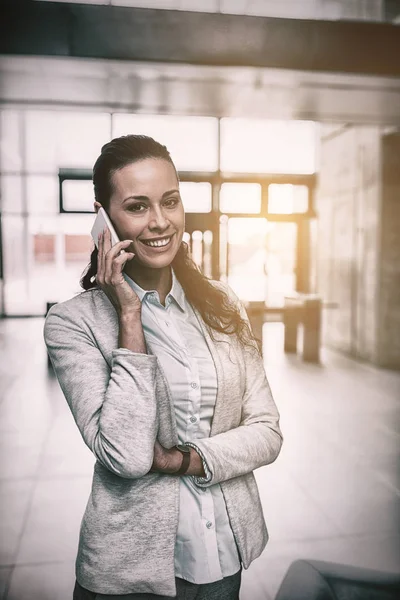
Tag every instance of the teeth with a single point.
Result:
(158, 243)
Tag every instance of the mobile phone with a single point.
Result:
(103, 220)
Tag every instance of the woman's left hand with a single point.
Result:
(166, 461)
(170, 461)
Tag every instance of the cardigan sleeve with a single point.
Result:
(115, 409)
(257, 441)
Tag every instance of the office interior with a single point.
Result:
(283, 119)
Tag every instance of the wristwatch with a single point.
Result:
(185, 450)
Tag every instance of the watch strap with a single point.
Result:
(185, 462)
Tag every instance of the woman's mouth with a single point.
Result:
(159, 245)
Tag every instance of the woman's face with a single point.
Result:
(146, 205)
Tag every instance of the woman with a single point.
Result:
(168, 389)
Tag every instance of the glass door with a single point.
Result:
(247, 256)
(280, 264)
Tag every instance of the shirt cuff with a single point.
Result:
(197, 479)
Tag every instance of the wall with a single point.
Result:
(348, 205)
(389, 260)
(358, 205)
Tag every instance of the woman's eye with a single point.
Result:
(172, 201)
(135, 207)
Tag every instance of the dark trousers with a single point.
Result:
(224, 589)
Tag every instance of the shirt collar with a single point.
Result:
(176, 291)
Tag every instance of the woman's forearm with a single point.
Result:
(131, 334)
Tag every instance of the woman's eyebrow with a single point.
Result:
(174, 191)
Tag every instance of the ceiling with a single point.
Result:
(179, 37)
(157, 88)
(113, 58)
(369, 10)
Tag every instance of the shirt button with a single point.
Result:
(208, 524)
(194, 385)
(193, 419)
(167, 323)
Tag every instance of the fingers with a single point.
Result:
(111, 259)
(117, 266)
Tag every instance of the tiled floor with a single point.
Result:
(333, 494)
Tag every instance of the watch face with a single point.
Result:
(183, 448)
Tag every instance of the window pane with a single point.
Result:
(281, 262)
(77, 248)
(41, 262)
(42, 193)
(78, 195)
(240, 198)
(196, 197)
(11, 194)
(10, 150)
(262, 146)
(287, 198)
(64, 139)
(247, 256)
(14, 230)
(44, 248)
(191, 141)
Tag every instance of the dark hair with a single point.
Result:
(216, 308)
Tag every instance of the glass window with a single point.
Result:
(42, 194)
(240, 198)
(64, 139)
(16, 271)
(78, 247)
(10, 150)
(247, 256)
(287, 199)
(44, 248)
(77, 195)
(280, 266)
(207, 253)
(44, 257)
(11, 194)
(196, 197)
(191, 141)
(264, 146)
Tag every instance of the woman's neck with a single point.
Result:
(151, 279)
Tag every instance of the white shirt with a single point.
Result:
(205, 549)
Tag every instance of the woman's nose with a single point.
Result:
(158, 219)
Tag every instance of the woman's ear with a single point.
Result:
(97, 206)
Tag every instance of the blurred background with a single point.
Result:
(283, 119)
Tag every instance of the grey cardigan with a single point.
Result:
(121, 403)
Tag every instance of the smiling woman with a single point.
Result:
(136, 182)
(167, 386)
(146, 207)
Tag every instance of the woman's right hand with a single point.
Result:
(110, 264)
